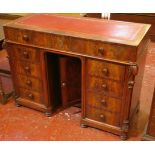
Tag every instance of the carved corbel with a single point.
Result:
(133, 71)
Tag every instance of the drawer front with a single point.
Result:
(19, 35)
(111, 51)
(107, 87)
(29, 69)
(38, 38)
(29, 83)
(30, 95)
(103, 116)
(103, 50)
(99, 101)
(105, 70)
(24, 53)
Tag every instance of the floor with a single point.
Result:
(21, 123)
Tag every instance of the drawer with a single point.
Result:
(30, 95)
(105, 70)
(99, 101)
(19, 35)
(47, 40)
(103, 116)
(103, 50)
(29, 83)
(111, 51)
(29, 69)
(107, 87)
(24, 53)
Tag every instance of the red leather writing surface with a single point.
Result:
(105, 28)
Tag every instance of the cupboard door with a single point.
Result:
(70, 79)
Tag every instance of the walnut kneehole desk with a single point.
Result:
(57, 61)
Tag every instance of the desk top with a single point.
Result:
(89, 28)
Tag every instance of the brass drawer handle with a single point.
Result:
(25, 54)
(103, 117)
(27, 69)
(104, 86)
(103, 102)
(101, 51)
(105, 71)
(29, 83)
(31, 96)
(25, 37)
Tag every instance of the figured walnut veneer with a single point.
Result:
(106, 77)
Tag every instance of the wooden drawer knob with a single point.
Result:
(105, 71)
(103, 117)
(63, 84)
(31, 96)
(25, 54)
(104, 86)
(25, 37)
(104, 103)
(101, 51)
(28, 82)
(27, 68)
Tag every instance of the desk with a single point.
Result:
(100, 61)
